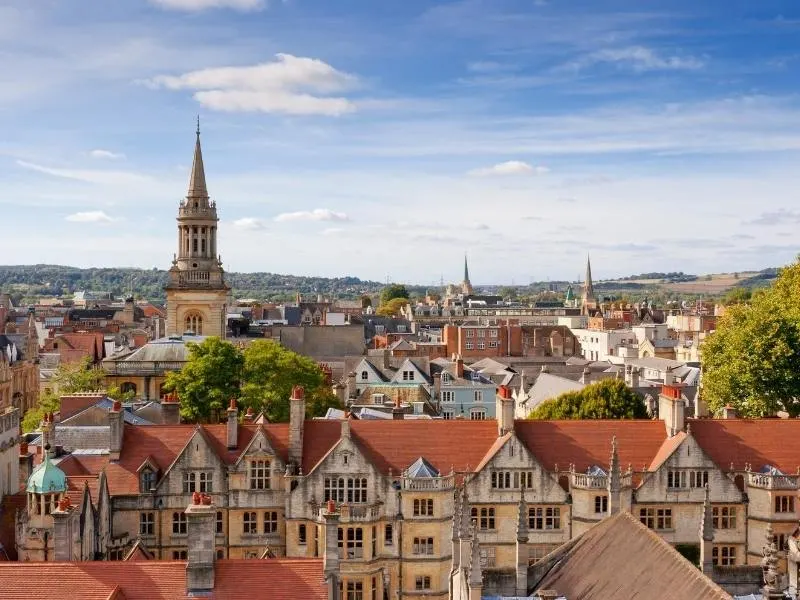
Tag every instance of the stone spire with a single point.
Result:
(475, 571)
(197, 178)
(769, 566)
(466, 521)
(522, 517)
(614, 480)
(707, 536)
(588, 287)
(466, 285)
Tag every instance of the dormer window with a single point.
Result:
(364, 375)
(408, 375)
(446, 378)
(147, 480)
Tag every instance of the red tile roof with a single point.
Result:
(276, 579)
(759, 442)
(396, 445)
(667, 448)
(588, 443)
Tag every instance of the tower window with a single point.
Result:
(194, 323)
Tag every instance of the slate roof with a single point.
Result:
(548, 386)
(276, 579)
(621, 558)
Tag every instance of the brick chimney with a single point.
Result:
(297, 417)
(63, 534)
(459, 367)
(170, 409)
(116, 422)
(672, 409)
(728, 412)
(504, 409)
(233, 425)
(201, 525)
(397, 411)
(329, 518)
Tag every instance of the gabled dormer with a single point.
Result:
(366, 373)
(409, 373)
(259, 465)
(148, 473)
(197, 468)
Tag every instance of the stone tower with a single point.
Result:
(588, 301)
(197, 295)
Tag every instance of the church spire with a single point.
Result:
(197, 179)
(588, 288)
(466, 285)
(466, 269)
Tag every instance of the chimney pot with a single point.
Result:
(232, 405)
(196, 498)
(331, 507)
(298, 393)
(116, 407)
(23, 448)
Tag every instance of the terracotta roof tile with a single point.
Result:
(760, 442)
(667, 448)
(588, 443)
(396, 445)
(276, 579)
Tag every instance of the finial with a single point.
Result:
(198, 125)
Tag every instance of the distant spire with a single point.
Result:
(588, 288)
(197, 179)
(466, 269)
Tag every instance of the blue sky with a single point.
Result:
(386, 138)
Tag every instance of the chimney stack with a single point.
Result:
(329, 517)
(170, 409)
(233, 425)
(352, 390)
(459, 367)
(397, 411)
(25, 464)
(297, 417)
(728, 412)
(116, 422)
(201, 525)
(62, 531)
(504, 407)
(672, 409)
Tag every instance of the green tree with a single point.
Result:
(737, 295)
(507, 293)
(606, 399)
(270, 371)
(392, 307)
(395, 290)
(752, 360)
(208, 380)
(70, 378)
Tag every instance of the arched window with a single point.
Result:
(194, 323)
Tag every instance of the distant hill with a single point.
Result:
(55, 280)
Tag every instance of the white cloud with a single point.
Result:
(290, 85)
(638, 58)
(99, 153)
(249, 223)
(88, 175)
(332, 231)
(91, 216)
(318, 214)
(196, 5)
(510, 167)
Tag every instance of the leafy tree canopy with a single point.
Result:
(208, 380)
(606, 399)
(395, 290)
(261, 376)
(270, 372)
(392, 307)
(752, 360)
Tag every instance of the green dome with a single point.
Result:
(47, 478)
(570, 294)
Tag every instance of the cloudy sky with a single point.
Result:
(384, 139)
